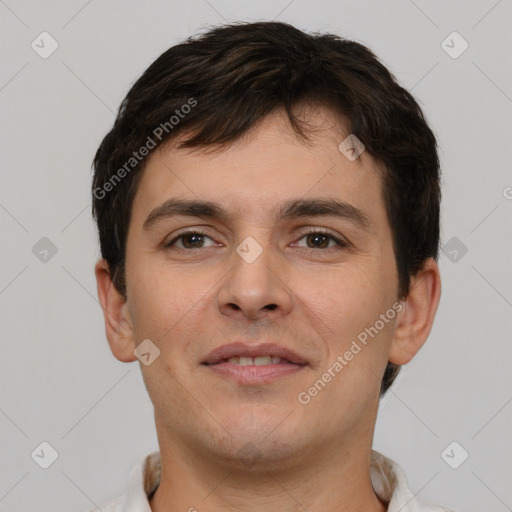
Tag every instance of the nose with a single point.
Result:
(255, 289)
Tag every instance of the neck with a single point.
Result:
(334, 480)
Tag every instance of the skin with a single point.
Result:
(189, 303)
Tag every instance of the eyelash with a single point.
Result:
(340, 243)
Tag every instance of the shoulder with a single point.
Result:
(390, 484)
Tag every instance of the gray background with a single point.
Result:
(59, 381)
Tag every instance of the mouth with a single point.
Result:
(254, 364)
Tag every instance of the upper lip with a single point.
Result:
(240, 348)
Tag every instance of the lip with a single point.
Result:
(217, 362)
(240, 348)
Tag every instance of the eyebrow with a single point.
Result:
(290, 209)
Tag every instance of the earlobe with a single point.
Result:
(118, 326)
(416, 319)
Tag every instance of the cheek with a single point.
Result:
(155, 303)
(345, 307)
(345, 298)
(167, 307)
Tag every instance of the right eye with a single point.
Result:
(191, 240)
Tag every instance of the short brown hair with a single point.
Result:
(233, 76)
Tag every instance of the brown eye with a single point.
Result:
(189, 240)
(192, 240)
(320, 240)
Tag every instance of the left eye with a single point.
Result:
(319, 239)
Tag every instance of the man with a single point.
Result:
(268, 213)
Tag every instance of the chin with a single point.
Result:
(259, 444)
(256, 456)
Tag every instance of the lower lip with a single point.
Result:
(255, 374)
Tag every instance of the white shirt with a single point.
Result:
(388, 481)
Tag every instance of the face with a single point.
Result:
(309, 283)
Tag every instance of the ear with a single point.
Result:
(415, 321)
(118, 324)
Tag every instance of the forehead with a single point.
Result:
(255, 174)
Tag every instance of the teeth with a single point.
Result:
(262, 360)
(258, 361)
